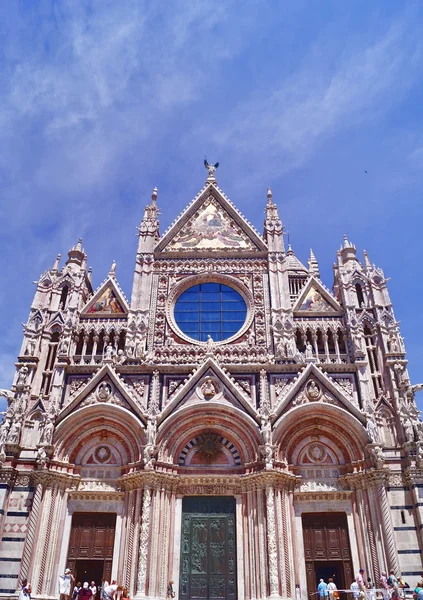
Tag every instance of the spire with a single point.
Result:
(112, 272)
(273, 228)
(76, 254)
(149, 227)
(348, 251)
(367, 262)
(292, 263)
(313, 265)
(56, 263)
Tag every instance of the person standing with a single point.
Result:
(331, 589)
(76, 590)
(360, 582)
(25, 593)
(66, 585)
(170, 592)
(322, 589)
(85, 593)
(93, 589)
(384, 585)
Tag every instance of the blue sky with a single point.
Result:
(101, 101)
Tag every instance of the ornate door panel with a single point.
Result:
(92, 539)
(208, 557)
(326, 548)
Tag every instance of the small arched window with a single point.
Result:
(64, 296)
(360, 295)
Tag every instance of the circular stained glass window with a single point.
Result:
(210, 309)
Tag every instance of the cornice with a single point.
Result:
(208, 484)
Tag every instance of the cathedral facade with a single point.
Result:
(235, 426)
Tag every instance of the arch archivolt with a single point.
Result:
(191, 422)
(329, 424)
(80, 434)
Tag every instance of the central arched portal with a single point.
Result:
(208, 548)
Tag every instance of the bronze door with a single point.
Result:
(208, 554)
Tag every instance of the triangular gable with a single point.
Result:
(56, 319)
(210, 368)
(315, 299)
(107, 375)
(38, 407)
(211, 223)
(108, 301)
(312, 372)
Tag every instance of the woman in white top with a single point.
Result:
(93, 589)
(331, 589)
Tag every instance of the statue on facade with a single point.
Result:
(15, 432)
(291, 348)
(378, 456)
(64, 345)
(30, 347)
(42, 457)
(151, 430)
(10, 396)
(372, 430)
(210, 168)
(393, 344)
(22, 376)
(208, 388)
(266, 429)
(47, 431)
(309, 354)
(408, 418)
(109, 352)
(149, 453)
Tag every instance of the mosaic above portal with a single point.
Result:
(315, 302)
(106, 303)
(211, 228)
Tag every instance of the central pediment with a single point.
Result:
(211, 223)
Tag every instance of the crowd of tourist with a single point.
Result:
(390, 588)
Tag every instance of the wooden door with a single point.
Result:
(208, 553)
(326, 549)
(92, 539)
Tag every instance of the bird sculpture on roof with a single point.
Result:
(210, 168)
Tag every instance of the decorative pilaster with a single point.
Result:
(388, 529)
(143, 548)
(30, 533)
(271, 544)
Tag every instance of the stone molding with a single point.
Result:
(208, 484)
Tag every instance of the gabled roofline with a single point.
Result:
(209, 363)
(119, 293)
(313, 281)
(106, 370)
(326, 381)
(193, 206)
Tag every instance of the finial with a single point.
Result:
(211, 169)
(56, 263)
(269, 195)
(79, 245)
(154, 194)
(112, 272)
(90, 274)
